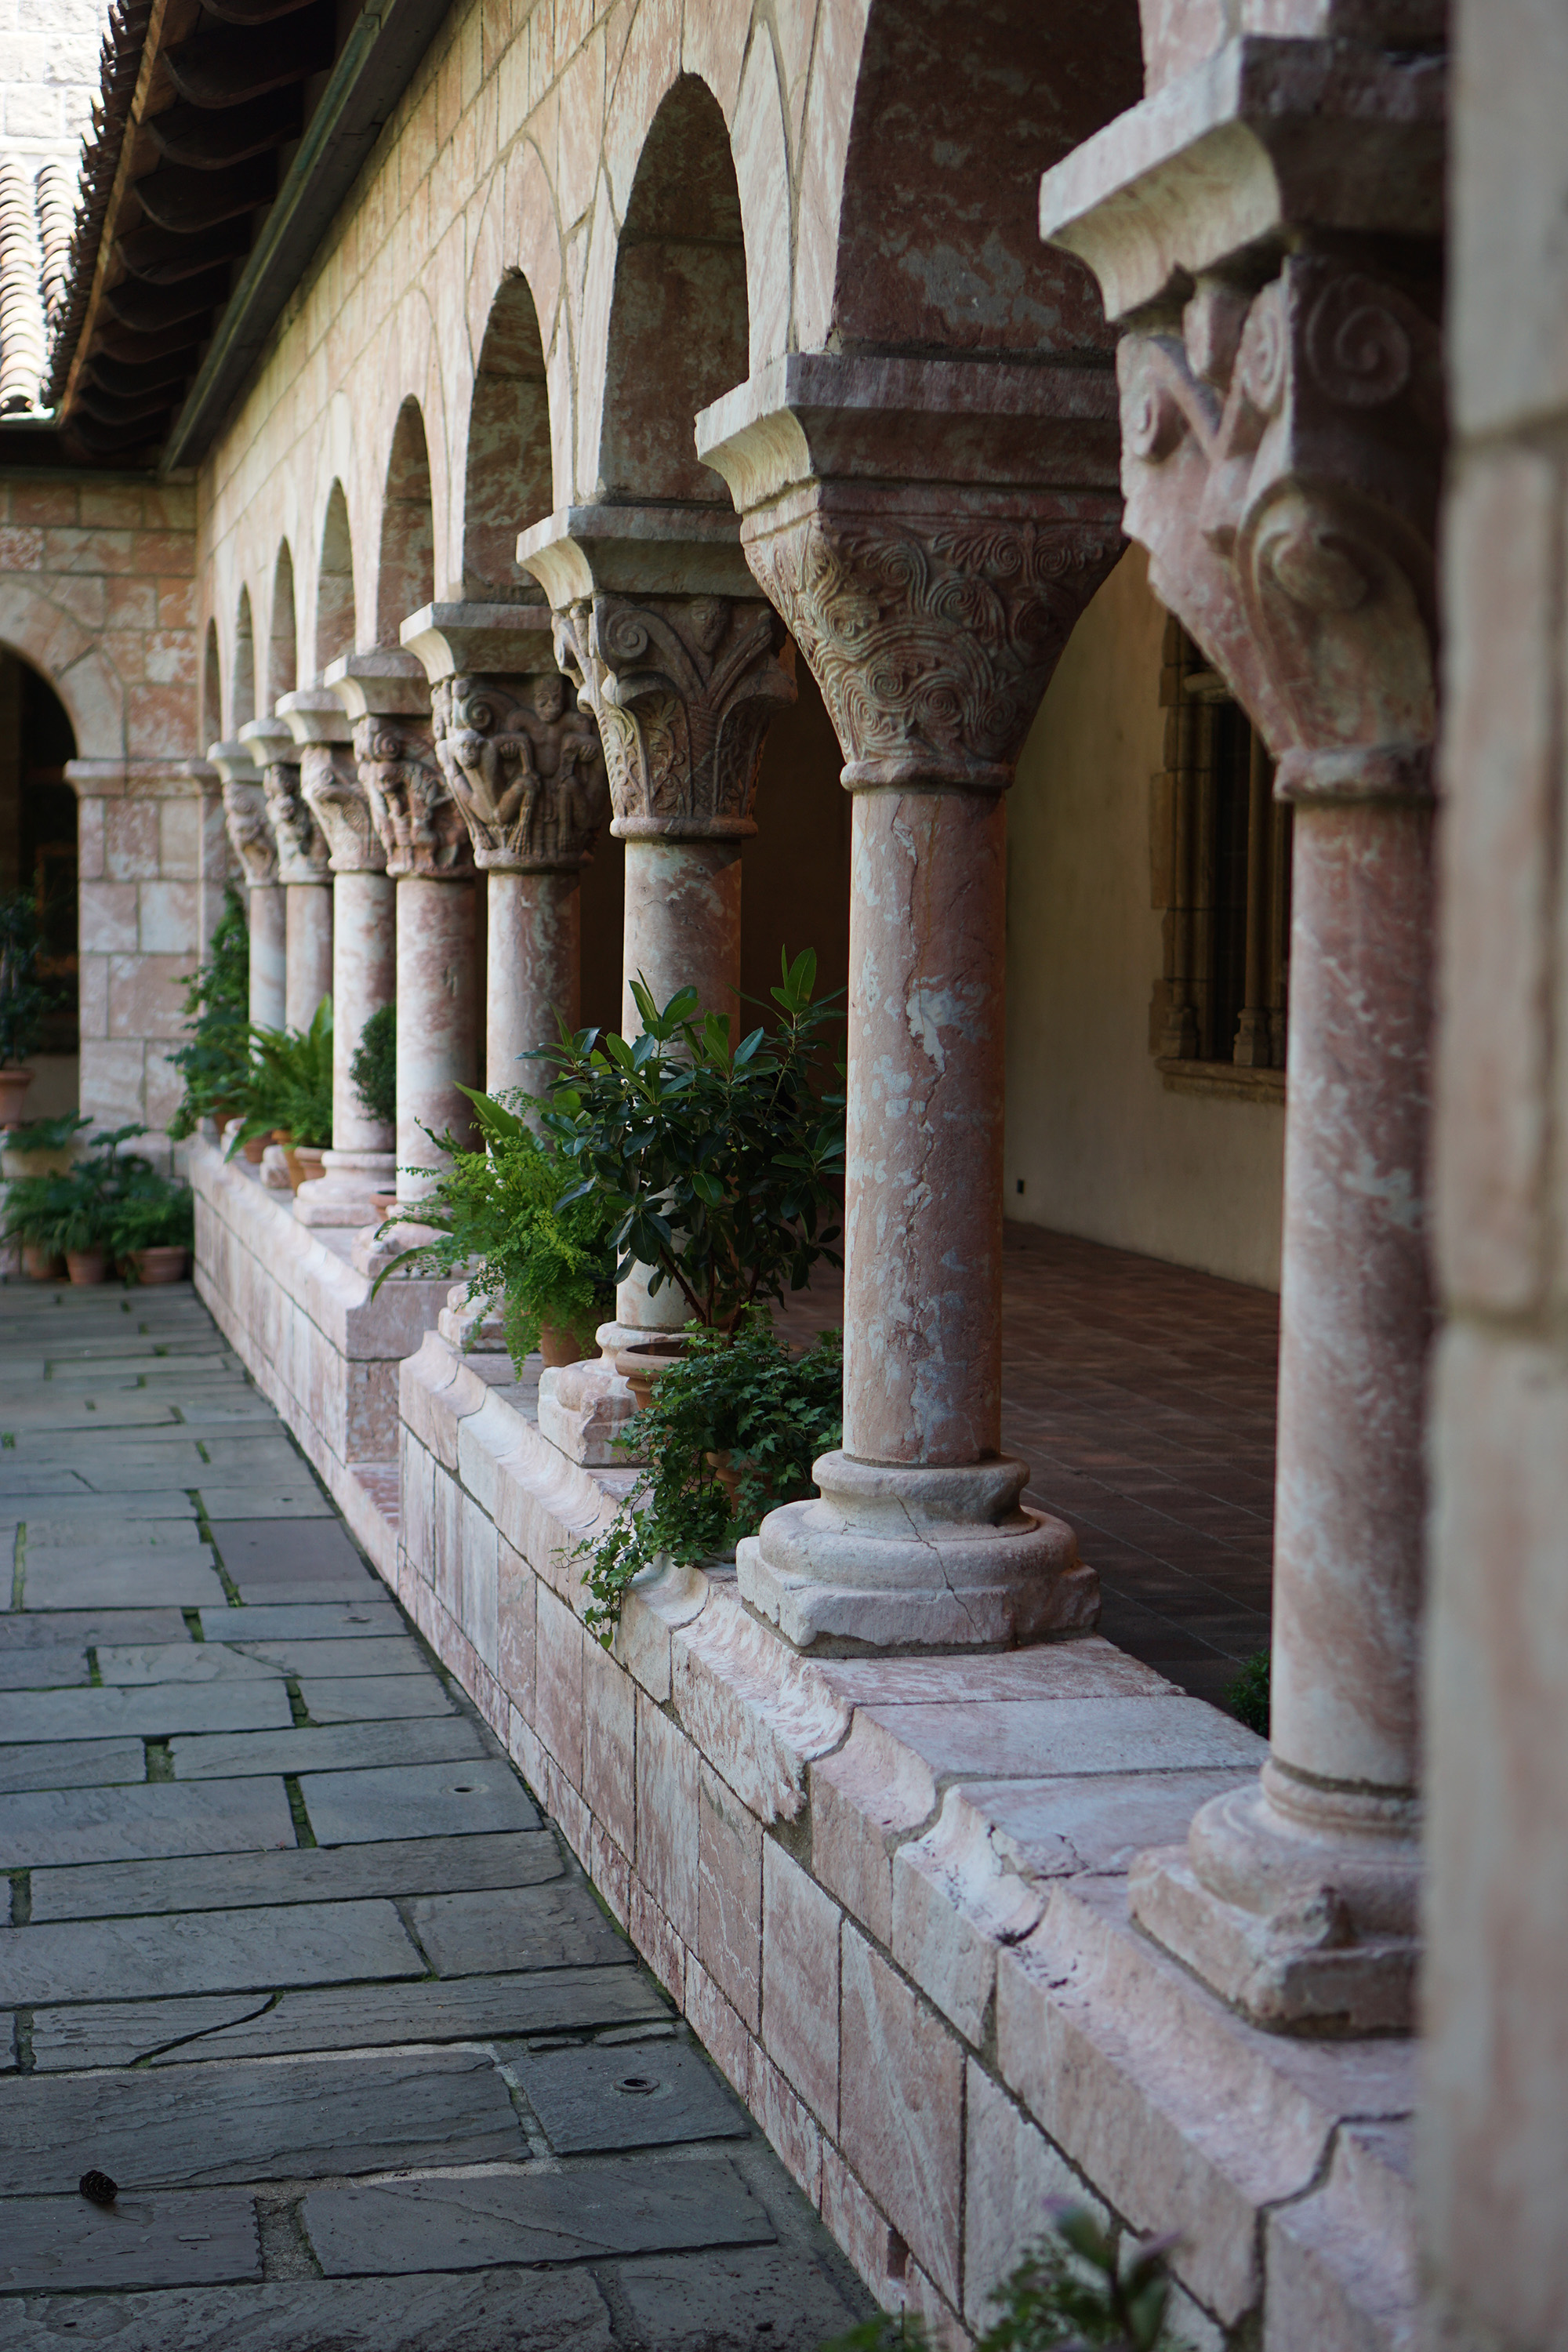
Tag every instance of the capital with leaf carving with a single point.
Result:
(329, 780)
(302, 853)
(419, 825)
(245, 814)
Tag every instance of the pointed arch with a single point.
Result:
(212, 688)
(336, 584)
(509, 478)
(405, 573)
(282, 637)
(244, 710)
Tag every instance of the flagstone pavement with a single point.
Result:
(292, 1955)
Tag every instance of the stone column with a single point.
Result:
(250, 838)
(423, 833)
(523, 763)
(1282, 458)
(660, 629)
(360, 1161)
(933, 616)
(302, 868)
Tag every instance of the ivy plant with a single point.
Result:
(218, 993)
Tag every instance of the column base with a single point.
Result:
(891, 1557)
(1298, 1904)
(583, 1408)
(343, 1196)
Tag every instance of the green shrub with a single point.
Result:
(23, 1002)
(1247, 1697)
(543, 1263)
(373, 1070)
(288, 1082)
(217, 994)
(155, 1214)
(79, 1209)
(746, 1395)
(46, 1134)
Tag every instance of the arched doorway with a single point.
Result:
(39, 854)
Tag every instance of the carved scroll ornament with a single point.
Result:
(329, 782)
(524, 765)
(250, 835)
(302, 853)
(420, 824)
(682, 688)
(1282, 459)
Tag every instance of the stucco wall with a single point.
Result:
(1104, 1149)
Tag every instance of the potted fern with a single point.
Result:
(154, 1231)
(286, 1095)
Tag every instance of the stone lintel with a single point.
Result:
(234, 762)
(502, 640)
(162, 780)
(386, 683)
(663, 549)
(1231, 162)
(315, 715)
(271, 742)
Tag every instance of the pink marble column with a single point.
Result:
(682, 926)
(534, 955)
(250, 838)
(361, 1162)
(932, 614)
(1283, 451)
(304, 868)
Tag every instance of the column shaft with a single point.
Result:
(437, 1023)
(533, 957)
(364, 978)
(268, 934)
(308, 950)
(682, 926)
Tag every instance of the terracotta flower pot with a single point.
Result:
(255, 1148)
(642, 1365)
(88, 1265)
(729, 1472)
(14, 1085)
(41, 1265)
(383, 1203)
(303, 1161)
(163, 1262)
(558, 1344)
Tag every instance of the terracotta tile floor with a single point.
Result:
(1142, 1396)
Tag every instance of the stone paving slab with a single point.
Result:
(297, 1875)
(637, 2094)
(372, 1699)
(74, 1518)
(299, 1498)
(86, 1535)
(257, 1552)
(554, 2311)
(150, 1714)
(601, 2206)
(43, 1669)
(206, 1951)
(100, 1824)
(747, 2299)
(140, 2242)
(119, 2032)
(302, 1621)
(495, 2008)
(335, 1748)
(71, 1764)
(42, 1629)
(430, 1800)
(291, 2119)
(138, 1665)
(159, 1578)
(366, 1653)
(556, 1927)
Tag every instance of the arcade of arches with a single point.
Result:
(957, 487)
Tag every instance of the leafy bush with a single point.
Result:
(717, 1163)
(46, 1134)
(288, 1082)
(154, 1214)
(217, 996)
(544, 1263)
(746, 1395)
(23, 1001)
(79, 1209)
(373, 1066)
(1071, 2293)
(1247, 1696)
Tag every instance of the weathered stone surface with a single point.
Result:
(373, 1698)
(180, 1661)
(206, 1951)
(907, 2151)
(735, 2301)
(180, 1578)
(429, 1800)
(556, 1927)
(72, 1764)
(634, 2095)
(370, 1653)
(1011, 2173)
(800, 1981)
(253, 2122)
(604, 2207)
(121, 1824)
(142, 2241)
(1084, 1667)
(563, 2312)
(261, 1554)
(39, 1629)
(119, 2032)
(490, 2008)
(52, 1668)
(1027, 1737)
(299, 1498)
(302, 1621)
(302, 1874)
(1053, 1829)
(153, 1713)
(220, 1756)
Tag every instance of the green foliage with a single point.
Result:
(288, 1082)
(373, 1066)
(746, 1395)
(79, 1209)
(23, 1001)
(217, 995)
(717, 1161)
(154, 1214)
(46, 1134)
(1247, 1696)
(1073, 2292)
(544, 1263)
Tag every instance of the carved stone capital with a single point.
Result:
(1282, 456)
(522, 761)
(303, 852)
(420, 825)
(682, 688)
(330, 783)
(250, 835)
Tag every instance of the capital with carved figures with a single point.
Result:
(303, 852)
(419, 824)
(329, 780)
(245, 814)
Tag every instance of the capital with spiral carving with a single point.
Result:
(250, 835)
(523, 763)
(420, 825)
(1282, 457)
(682, 688)
(303, 852)
(330, 781)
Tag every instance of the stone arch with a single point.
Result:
(509, 478)
(679, 332)
(69, 657)
(334, 633)
(282, 636)
(212, 688)
(405, 573)
(956, 112)
(243, 690)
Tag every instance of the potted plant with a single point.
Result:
(215, 1063)
(153, 1230)
(23, 1002)
(43, 1147)
(72, 1215)
(551, 1267)
(286, 1093)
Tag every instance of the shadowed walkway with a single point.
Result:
(292, 1955)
